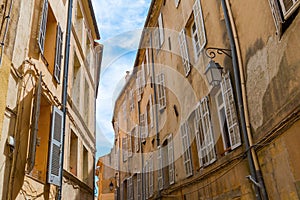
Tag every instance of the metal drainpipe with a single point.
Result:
(239, 99)
(65, 90)
(244, 95)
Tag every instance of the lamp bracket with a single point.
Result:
(211, 52)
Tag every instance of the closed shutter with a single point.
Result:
(34, 125)
(230, 112)
(207, 148)
(160, 168)
(184, 52)
(43, 25)
(198, 17)
(177, 3)
(58, 53)
(171, 160)
(277, 17)
(187, 162)
(139, 186)
(161, 30)
(161, 90)
(55, 151)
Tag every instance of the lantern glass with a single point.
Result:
(213, 73)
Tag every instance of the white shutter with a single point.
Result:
(230, 111)
(187, 162)
(161, 90)
(160, 169)
(136, 139)
(55, 151)
(129, 189)
(198, 17)
(139, 186)
(288, 6)
(161, 30)
(184, 52)
(151, 112)
(207, 148)
(34, 125)
(142, 126)
(58, 53)
(151, 176)
(171, 160)
(177, 3)
(43, 25)
(278, 20)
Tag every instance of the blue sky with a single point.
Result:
(120, 23)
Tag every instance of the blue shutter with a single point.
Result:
(43, 25)
(58, 53)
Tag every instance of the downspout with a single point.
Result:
(245, 104)
(65, 91)
(236, 73)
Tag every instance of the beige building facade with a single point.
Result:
(48, 153)
(178, 136)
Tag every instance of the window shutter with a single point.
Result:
(136, 139)
(58, 53)
(143, 78)
(43, 25)
(171, 160)
(207, 148)
(151, 112)
(186, 150)
(34, 125)
(146, 124)
(184, 52)
(277, 17)
(122, 191)
(160, 168)
(142, 126)
(124, 148)
(55, 151)
(138, 86)
(231, 116)
(198, 133)
(161, 90)
(161, 30)
(288, 6)
(129, 189)
(129, 144)
(146, 180)
(198, 17)
(139, 184)
(177, 3)
(147, 61)
(131, 97)
(151, 176)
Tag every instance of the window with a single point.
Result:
(143, 126)
(151, 112)
(129, 188)
(151, 175)
(227, 115)
(43, 24)
(160, 168)
(131, 100)
(79, 22)
(136, 138)
(184, 52)
(161, 90)
(177, 3)
(85, 165)
(129, 143)
(139, 89)
(55, 155)
(73, 153)
(76, 81)
(281, 11)
(161, 30)
(204, 134)
(139, 185)
(171, 160)
(146, 183)
(58, 53)
(86, 109)
(198, 29)
(124, 149)
(187, 162)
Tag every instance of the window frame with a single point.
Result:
(162, 98)
(186, 147)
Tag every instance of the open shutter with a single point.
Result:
(161, 90)
(184, 52)
(199, 133)
(55, 152)
(161, 30)
(207, 148)
(230, 111)
(151, 176)
(34, 125)
(171, 160)
(198, 17)
(277, 17)
(160, 168)
(129, 189)
(43, 25)
(58, 53)
(139, 186)
(186, 149)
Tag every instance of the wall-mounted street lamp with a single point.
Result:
(214, 70)
(111, 186)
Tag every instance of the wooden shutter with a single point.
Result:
(171, 160)
(161, 30)
(34, 125)
(58, 53)
(230, 112)
(161, 90)
(184, 52)
(208, 146)
(277, 17)
(55, 150)
(186, 149)
(198, 17)
(43, 25)
(160, 169)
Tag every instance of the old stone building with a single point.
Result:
(211, 109)
(49, 73)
